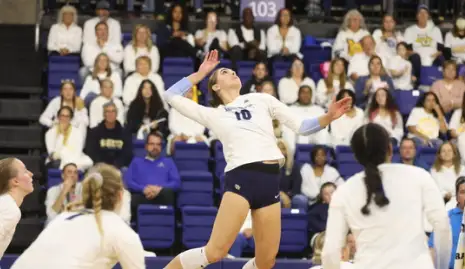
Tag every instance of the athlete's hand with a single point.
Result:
(209, 63)
(339, 108)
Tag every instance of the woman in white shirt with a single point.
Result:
(143, 72)
(457, 128)
(211, 38)
(383, 111)
(67, 98)
(455, 41)
(288, 87)
(351, 32)
(341, 130)
(106, 96)
(347, 253)
(92, 234)
(330, 86)
(65, 36)
(102, 70)
(65, 143)
(384, 207)
(401, 69)
(140, 45)
(283, 39)
(426, 121)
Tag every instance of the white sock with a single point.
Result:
(250, 264)
(194, 258)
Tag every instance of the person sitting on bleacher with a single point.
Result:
(283, 39)
(211, 38)
(65, 143)
(290, 178)
(268, 87)
(102, 71)
(408, 154)
(318, 212)
(152, 179)
(259, 74)
(347, 253)
(332, 84)
(244, 239)
(91, 50)
(140, 45)
(103, 15)
(449, 90)
(143, 72)
(65, 36)
(106, 96)
(342, 129)
(67, 98)
(348, 39)
(455, 41)
(359, 64)
(288, 87)
(400, 69)
(109, 142)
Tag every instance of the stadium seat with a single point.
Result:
(429, 74)
(138, 147)
(54, 177)
(315, 54)
(245, 69)
(346, 162)
(302, 153)
(294, 230)
(196, 189)
(191, 157)
(406, 100)
(280, 69)
(156, 226)
(63, 63)
(197, 224)
(175, 69)
(428, 155)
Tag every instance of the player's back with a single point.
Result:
(391, 237)
(72, 240)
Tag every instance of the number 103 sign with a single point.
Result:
(263, 10)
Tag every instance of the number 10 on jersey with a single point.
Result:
(244, 114)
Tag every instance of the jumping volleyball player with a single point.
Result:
(384, 208)
(93, 236)
(244, 126)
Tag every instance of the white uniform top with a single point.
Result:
(9, 218)
(391, 237)
(72, 241)
(244, 126)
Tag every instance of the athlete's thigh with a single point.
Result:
(266, 223)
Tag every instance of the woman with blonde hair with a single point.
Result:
(65, 36)
(91, 234)
(140, 45)
(330, 86)
(347, 252)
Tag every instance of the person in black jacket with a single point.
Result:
(318, 212)
(109, 142)
(259, 75)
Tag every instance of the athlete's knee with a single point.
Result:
(216, 253)
(267, 262)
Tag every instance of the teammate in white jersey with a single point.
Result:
(384, 208)
(244, 126)
(15, 184)
(94, 236)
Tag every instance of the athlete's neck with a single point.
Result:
(228, 97)
(17, 195)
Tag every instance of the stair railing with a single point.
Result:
(39, 14)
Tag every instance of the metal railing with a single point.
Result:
(39, 14)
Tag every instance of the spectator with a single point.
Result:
(457, 128)
(152, 179)
(65, 36)
(174, 38)
(348, 39)
(342, 129)
(347, 252)
(244, 239)
(141, 45)
(108, 142)
(314, 175)
(103, 15)
(259, 74)
(446, 169)
(101, 71)
(377, 78)
(400, 68)
(67, 98)
(408, 154)
(288, 87)
(147, 110)
(268, 87)
(425, 38)
(97, 106)
(330, 86)
(133, 82)
(290, 179)
(449, 90)
(184, 129)
(383, 111)
(455, 42)
(211, 38)
(359, 65)
(90, 51)
(318, 212)
(427, 121)
(283, 39)
(65, 143)
(247, 42)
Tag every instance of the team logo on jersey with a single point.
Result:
(354, 47)
(161, 165)
(424, 40)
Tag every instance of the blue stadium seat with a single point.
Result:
(346, 162)
(302, 153)
(196, 189)
(428, 155)
(64, 63)
(175, 69)
(315, 55)
(280, 69)
(429, 74)
(54, 177)
(406, 100)
(138, 147)
(245, 69)
(294, 230)
(191, 157)
(197, 223)
(156, 226)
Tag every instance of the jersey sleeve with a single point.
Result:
(129, 250)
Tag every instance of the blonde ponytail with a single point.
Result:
(95, 188)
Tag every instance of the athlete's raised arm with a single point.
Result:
(175, 94)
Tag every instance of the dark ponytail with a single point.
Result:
(371, 146)
(216, 100)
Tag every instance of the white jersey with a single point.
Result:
(244, 126)
(72, 241)
(9, 218)
(391, 237)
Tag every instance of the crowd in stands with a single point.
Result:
(120, 100)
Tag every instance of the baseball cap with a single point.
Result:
(103, 4)
(422, 6)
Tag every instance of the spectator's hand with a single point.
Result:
(156, 190)
(64, 51)
(248, 233)
(354, 76)
(184, 137)
(148, 192)
(55, 156)
(179, 34)
(68, 184)
(285, 199)
(154, 125)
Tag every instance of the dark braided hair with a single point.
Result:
(371, 145)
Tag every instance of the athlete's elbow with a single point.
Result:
(330, 257)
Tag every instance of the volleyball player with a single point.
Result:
(92, 234)
(244, 126)
(383, 207)
(15, 184)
